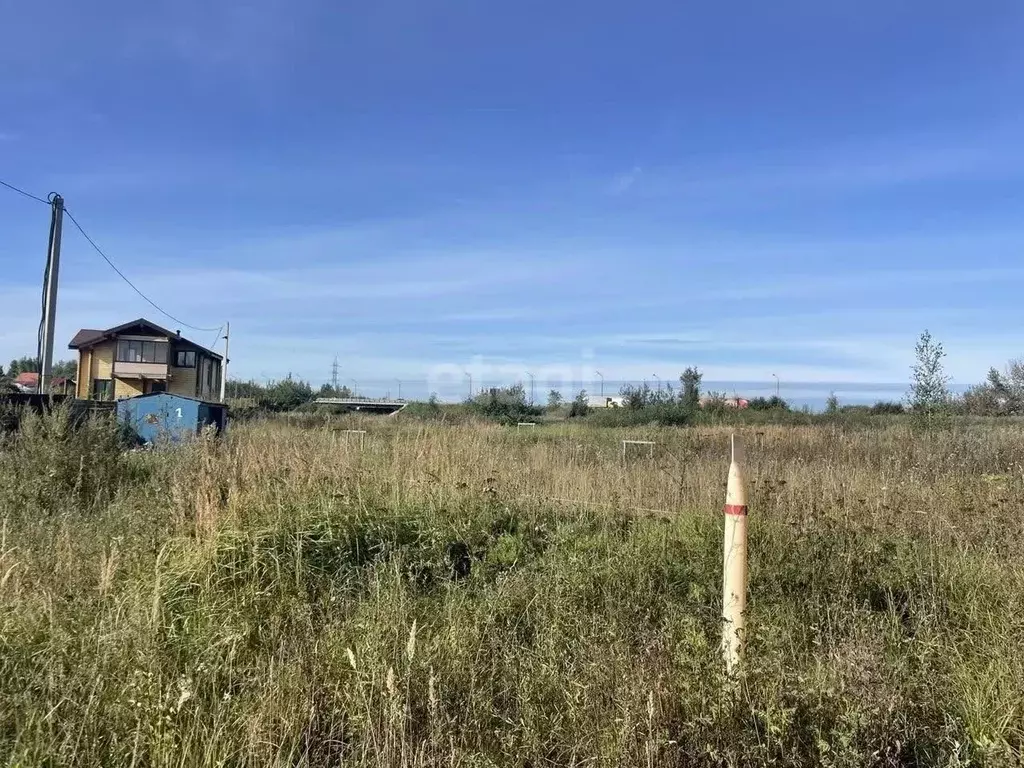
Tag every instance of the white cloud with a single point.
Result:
(383, 319)
(625, 181)
(830, 168)
(804, 285)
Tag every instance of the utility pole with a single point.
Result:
(224, 366)
(601, 375)
(334, 375)
(531, 386)
(399, 388)
(658, 379)
(470, 375)
(50, 294)
(776, 384)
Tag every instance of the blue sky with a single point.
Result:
(795, 188)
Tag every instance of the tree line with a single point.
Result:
(285, 395)
(929, 393)
(1000, 394)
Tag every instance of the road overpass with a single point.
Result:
(364, 404)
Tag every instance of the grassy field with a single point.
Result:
(470, 595)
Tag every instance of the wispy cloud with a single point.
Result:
(487, 315)
(401, 313)
(803, 285)
(832, 169)
(251, 39)
(625, 181)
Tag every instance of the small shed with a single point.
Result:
(163, 416)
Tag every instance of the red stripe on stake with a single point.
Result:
(736, 509)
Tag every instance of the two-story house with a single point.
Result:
(141, 357)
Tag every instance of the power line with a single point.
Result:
(121, 274)
(216, 339)
(29, 195)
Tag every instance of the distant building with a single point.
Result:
(62, 385)
(605, 401)
(140, 358)
(728, 402)
(27, 382)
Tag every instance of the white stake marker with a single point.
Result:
(734, 563)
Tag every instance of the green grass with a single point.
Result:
(284, 598)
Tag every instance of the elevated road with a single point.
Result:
(365, 404)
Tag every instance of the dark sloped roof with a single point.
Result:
(87, 337)
(143, 322)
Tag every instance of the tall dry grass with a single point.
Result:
(469, 595)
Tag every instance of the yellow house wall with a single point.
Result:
(84, 377)
(102, 361)
(183, 381)
(127, 388)
(101, 364)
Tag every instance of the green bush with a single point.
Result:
(689, 381)
(580, 407)
(286, 395)
(884, 408)
(504, 405)
(666, 414)
(53, 464)
(431, 409)
(773, 403)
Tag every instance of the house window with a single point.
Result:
(158, 353)
(102, 389)
(131, 351)
(186, 358)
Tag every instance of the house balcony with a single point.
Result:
(141, 370)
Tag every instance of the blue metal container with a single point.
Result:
(161, 416)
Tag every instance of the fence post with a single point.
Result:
(734, 562)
